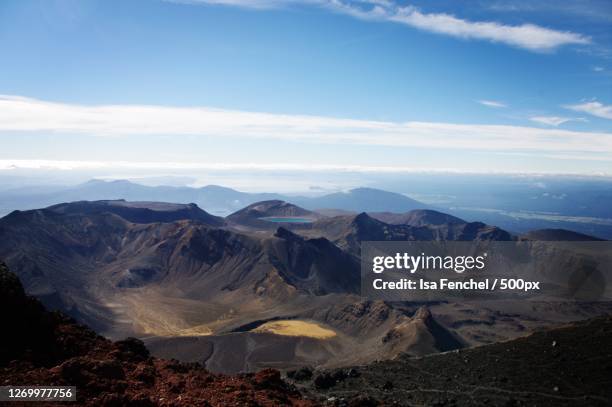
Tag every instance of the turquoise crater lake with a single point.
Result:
(287, 219)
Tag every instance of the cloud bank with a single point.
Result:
(190, 167)
(19, 114)
(527, 36)
(66, 165)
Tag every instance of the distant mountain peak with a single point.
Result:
(364, 220)
(362, 216)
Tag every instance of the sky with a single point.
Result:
(371, 86)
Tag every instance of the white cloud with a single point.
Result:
(593, 108)
(527, 36)
(66, 165)
(492, 103)
(190, 167)
(598, 68)
(18, 114)
(555, 120)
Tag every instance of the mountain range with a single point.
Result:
(215, 199)
(242, 293)
(517, 205)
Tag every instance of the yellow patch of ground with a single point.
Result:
(200, 330)
(154, 318)
(296, 328)
(168, 325)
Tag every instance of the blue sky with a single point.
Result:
(375, 85)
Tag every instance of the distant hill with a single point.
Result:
(361, 200)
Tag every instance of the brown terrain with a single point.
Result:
(238, 297)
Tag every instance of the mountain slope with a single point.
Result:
(315, 265)
(422, 335)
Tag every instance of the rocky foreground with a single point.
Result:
(46, 348)
(567, 366)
